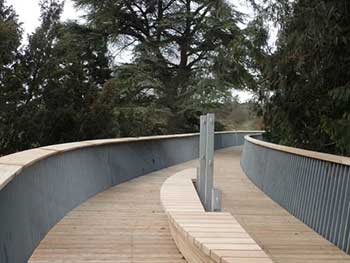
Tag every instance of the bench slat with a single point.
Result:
(205, 236)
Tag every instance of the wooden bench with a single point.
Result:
(205, 236)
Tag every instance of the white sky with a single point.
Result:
(29, 11)
(29, 14)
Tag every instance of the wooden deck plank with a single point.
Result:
(127, 224)
(123, 224)
(282, 236)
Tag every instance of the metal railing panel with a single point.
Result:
(46, 189)
(314, 190)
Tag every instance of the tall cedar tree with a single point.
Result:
(184, 56)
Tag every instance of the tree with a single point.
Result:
(66, 66)
(180, 52)
(10, 34)
(64, 86)
(307, 79)
(53, 91)
(11, 88)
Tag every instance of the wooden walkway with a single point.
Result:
(127, 224)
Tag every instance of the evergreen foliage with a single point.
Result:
(306, 89)
(184, 57)
(65, 85)
(10, 84)
(51, 88)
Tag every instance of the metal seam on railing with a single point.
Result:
(343, 214)
(340, 206)
(346, 240)
(328, 196)
(311, 208)
(335, 203)
(315, 191)
(316, 200)
(295, 188)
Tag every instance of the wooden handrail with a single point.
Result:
(311, 154)
(12, 165)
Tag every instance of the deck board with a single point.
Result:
(124, 224)
(127, 224)
(282, 236)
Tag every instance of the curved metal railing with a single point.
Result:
(39, 186)
(313, 186)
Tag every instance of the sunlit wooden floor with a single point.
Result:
(127, 224)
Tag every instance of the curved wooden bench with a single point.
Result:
(205, 236)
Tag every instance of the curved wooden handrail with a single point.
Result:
(39, 187)
(311, 154)
(11, 165)
(205, 236)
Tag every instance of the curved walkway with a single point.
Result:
(127, 224)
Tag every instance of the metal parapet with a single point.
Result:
(40, 186)
(314, 187)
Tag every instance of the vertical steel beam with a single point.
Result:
(216, 200)
(202, 157)
(210, 197)
(209, 162)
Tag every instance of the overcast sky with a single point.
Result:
(29, 11)
(29, 14)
